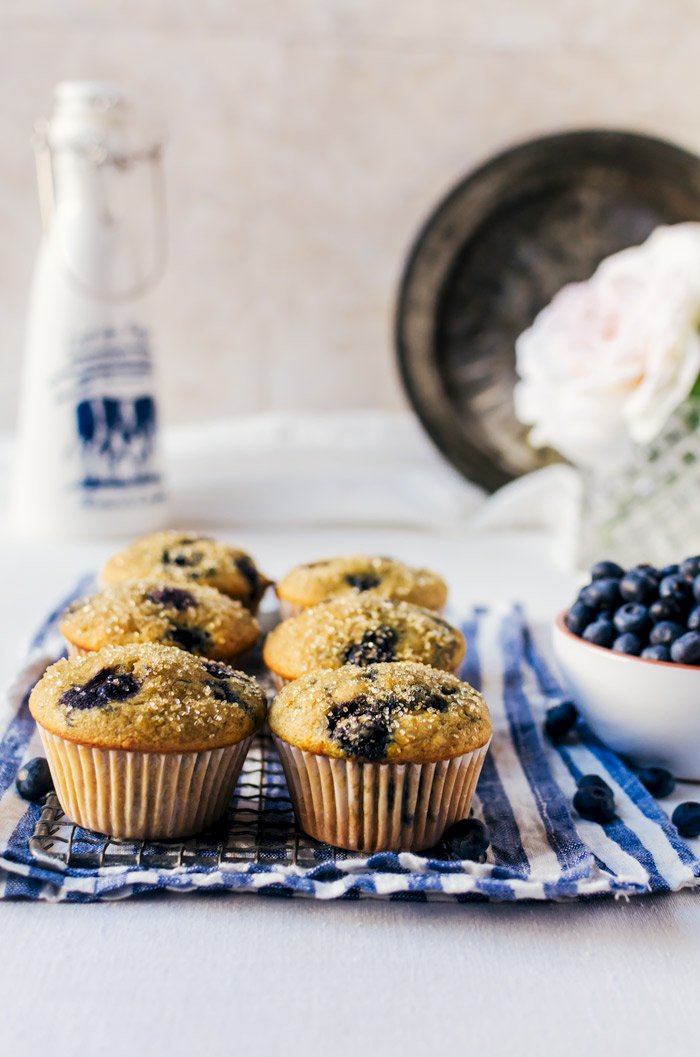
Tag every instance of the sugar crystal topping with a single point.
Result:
(149, 697)
(198, 618)
(359, 573)
(361, 630)
(396, 711)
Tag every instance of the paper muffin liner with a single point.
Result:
(142, 795)
(372, 807)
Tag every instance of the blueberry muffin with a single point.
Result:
(381, 757)
(361, 629)
(196, 618)
(306, 585)
(184, 558)
(145, 741)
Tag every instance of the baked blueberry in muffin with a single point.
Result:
(145, 741)
(382, 756)
(196, 618)
(320, 581)
(396, 712)
(184, 557)
(361, 629)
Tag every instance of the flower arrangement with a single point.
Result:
(609, 376)
(608, 361)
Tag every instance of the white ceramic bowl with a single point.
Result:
(649, 710)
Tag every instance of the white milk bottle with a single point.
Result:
(88, 462)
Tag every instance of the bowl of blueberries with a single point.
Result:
(629, 649)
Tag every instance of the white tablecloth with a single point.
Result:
(229, 975)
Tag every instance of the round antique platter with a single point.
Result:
(495, 251)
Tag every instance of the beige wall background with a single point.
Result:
(307, 142)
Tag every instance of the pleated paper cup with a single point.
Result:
(370, 807)
(136, 795)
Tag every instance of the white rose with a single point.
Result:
(608, 361)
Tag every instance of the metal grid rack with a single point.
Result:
(259, 827)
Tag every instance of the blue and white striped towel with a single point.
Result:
(540, 848)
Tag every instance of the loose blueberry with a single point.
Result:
(584, 596)
(607, 570)
(666, 609)
(693, 621)
(632, 617)
(686, 819)
(696, 588)
(638, 586)
(601, 594)
(595, 804)
(677, 589)
(172, 598)
(628, 643)
(559, 720)
(656, 653)
(579, 617)
(686, 649)
(34, 779)
(690, 567)
(669, 570)
(657, 780)
(665, 632)
(648, 570)
(362, 581)
(107, 686)
(601, 632)
(375, 646)
(468, 839)
(589, 781)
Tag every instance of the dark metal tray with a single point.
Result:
(495, 251)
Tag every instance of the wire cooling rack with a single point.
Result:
(259, 827)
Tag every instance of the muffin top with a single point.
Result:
(361, 629)
(147, 697)
(320, 581)
(401, 712)
(196, 618)
(184, 557)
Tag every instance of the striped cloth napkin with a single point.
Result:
(540, 848)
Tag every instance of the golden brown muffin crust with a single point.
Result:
(196, 618)
(397, 712)
(147, 697)
(362, 629)
(184, 557)
(306, 585)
